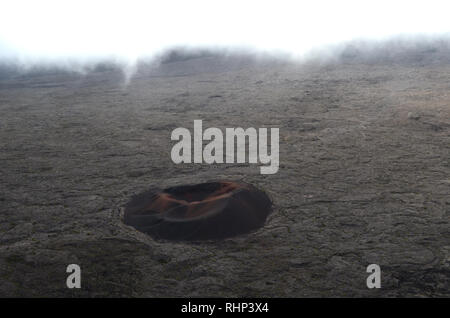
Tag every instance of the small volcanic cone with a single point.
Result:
(207, 211)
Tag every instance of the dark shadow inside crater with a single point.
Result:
(207, 211)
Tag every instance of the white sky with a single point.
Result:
(129, 29)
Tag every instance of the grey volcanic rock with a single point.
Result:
(359, 182)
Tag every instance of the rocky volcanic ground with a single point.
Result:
(364, 177)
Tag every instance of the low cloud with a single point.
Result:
(78, 34)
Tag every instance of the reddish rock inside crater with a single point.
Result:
(207, 211)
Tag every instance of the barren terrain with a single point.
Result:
(364, 177)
